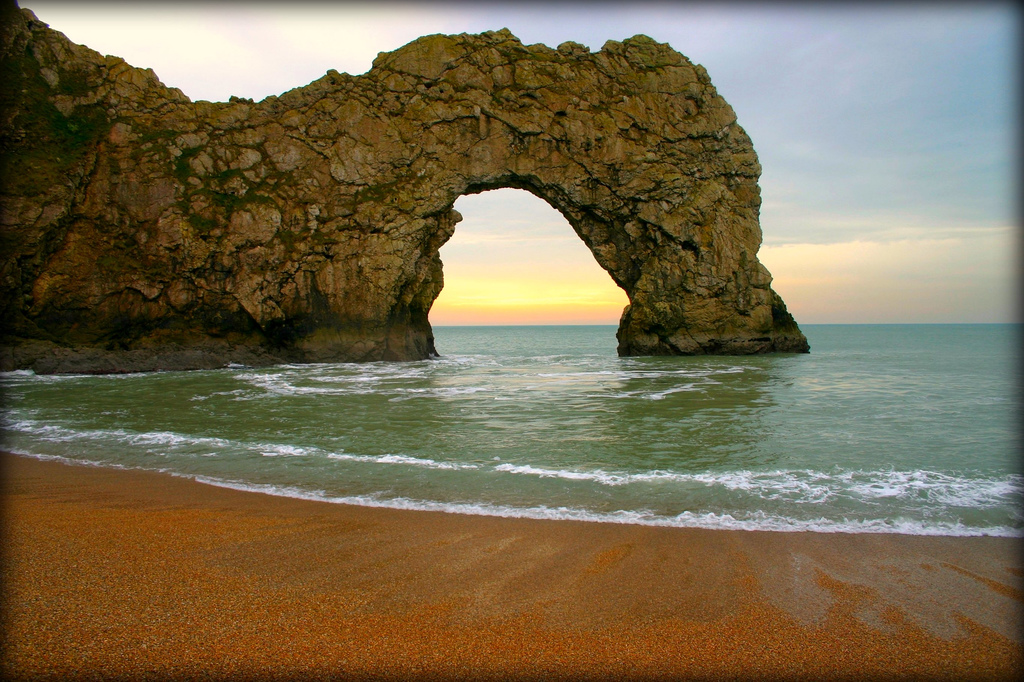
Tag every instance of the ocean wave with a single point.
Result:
(278, 384)
(56, 433)
(78, 461)
(25, 376)
(17, 374)
(756, 521)
(171, 441)
(404, 460)
(238, 393)
(384, 378)
(63, 434)
(805, 486)
(919, 488)
(938, 487)
(434, 392)
(661, 395)
(634, 374)
(270, 450)
(366, 383)
(750, 521)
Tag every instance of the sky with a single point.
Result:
(887, 135)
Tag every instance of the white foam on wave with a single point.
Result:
(424, 462)
(754, 521)
(572, 375)
(26, 375)
(402, 459)
(619, 375)
(365, 382)
(599, 476)
(919, 488)
(661, 395)
(279, 384)
(938, 487)
(55, 433)
(807, 486)
(152, 440)
(658, 395)
(283, 450)
(347, 379)
(435, 392)
(61, 434)
(72, 461)
(174, 441)
(238, 393)
(758, 521)
(461, 361)
(17, 373)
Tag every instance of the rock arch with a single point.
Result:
(307, 226)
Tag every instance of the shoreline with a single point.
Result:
(727, 523)
(129, 572)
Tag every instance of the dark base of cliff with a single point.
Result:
(44, 357)
(713, 346)
(791, 344)
(47, 358)
(397, 342)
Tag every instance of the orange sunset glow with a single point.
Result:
(521, 266)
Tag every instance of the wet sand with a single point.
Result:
(120, 574)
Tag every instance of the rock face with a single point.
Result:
(141, 230)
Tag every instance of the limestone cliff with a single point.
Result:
(141, 230)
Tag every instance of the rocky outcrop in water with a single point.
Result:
(141, 230)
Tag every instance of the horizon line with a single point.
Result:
(802, 324)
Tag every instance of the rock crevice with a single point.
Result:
(142, 230)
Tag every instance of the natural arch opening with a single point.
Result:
(515, 260)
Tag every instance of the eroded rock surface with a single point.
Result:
(141, 230)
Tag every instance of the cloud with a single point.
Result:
(214, 50)
(951, 279)
(510, 216)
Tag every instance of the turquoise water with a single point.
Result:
(881, 428)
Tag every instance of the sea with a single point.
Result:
(911, 429)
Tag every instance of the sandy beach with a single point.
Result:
(116, 574)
